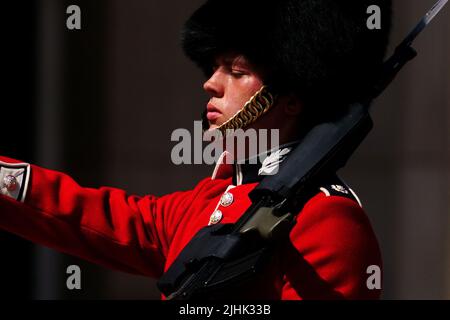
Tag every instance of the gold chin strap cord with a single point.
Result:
(259, 104)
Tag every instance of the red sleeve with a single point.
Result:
(105, 226)
(333, 244)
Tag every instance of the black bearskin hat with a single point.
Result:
(321, 50)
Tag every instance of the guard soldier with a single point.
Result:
(284, 64)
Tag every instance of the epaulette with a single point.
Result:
(334, 186)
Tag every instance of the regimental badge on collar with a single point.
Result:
(271, 164)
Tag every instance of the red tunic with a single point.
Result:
(333, 243)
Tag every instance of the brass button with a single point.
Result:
(226, 199)
(215, 217)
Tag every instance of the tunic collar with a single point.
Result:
(252, 169)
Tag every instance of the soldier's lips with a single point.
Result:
(213, 115)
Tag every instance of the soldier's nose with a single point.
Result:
(213, 86)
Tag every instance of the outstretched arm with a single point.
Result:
(105, 226)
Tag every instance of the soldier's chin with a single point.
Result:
(214, 125)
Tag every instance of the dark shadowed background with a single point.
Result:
(100, 104)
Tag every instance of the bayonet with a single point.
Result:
(404, 52)
(424, 22)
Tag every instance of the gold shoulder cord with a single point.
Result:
(259, 104)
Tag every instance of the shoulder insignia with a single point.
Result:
(336, 187)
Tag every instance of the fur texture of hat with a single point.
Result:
(320, 50)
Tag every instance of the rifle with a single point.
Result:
(221, 256)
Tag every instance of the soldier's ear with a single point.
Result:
(292, 105)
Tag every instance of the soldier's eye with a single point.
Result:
(237, 73)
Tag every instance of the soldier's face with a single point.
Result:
(233, 82)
